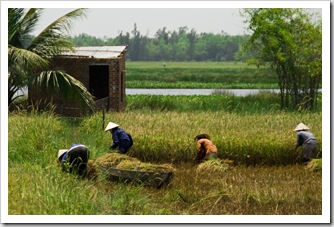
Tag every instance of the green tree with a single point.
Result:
(29, 57)
(86, 40)
(290, 42)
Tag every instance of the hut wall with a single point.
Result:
(79, 68)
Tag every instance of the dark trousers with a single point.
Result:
(124, 146)
(309, 151)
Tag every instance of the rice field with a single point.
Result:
(263, 176)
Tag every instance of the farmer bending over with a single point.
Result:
(74, 159)
(306, 139)
(205, 148)
(120, 138)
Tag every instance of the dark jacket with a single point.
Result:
(305, 137)
(121, 139)
(76, 159)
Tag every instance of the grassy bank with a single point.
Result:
(198, 75)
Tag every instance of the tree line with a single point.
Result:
(182, 45)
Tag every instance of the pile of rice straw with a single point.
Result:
(122, 161)
(213, 165)
(113, 159)
(314, 165)
(92, 170)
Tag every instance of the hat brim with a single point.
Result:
(61, 152)
(301, 127)
(110, 126)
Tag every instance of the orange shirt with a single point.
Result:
(204, 148)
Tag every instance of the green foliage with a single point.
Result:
(290, 42)
(181, 45)
(29, 57)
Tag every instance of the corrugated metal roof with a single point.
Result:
(96, 52)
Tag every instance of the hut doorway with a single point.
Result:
(99, 81)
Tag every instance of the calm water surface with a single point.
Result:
(236, 92)
(140, 91)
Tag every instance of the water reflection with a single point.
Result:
(236, 92)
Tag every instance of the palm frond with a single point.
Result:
(53, 38)
(64, 85)
(64, 23)
(25, 59)
(30, 20)
(14, 17)
(20, 25)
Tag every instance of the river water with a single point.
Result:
(236, 92)
(140, 91)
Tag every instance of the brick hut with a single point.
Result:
(101, 69)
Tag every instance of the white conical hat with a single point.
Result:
(61, 152)
(300, 127)
(110, 126)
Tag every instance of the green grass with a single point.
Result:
(266, 177)
(198, 75)
(263, 102)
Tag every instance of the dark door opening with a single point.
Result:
(99, 81)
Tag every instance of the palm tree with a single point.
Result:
(29, 57)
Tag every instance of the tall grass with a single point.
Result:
(261, 103)
(36, 184)
(166, 136)
(247, 139)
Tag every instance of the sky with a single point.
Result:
(110, 22)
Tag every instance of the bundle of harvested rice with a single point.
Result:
(314, 165)
(129, 165)
(121, 161)
(144, 167)
(149, 167)
(213, 165)
(113, 159)
(92, 170)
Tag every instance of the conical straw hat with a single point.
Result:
(110, 126)
(61, 152)
(300, 127)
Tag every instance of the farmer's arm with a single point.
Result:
(115, 140)
(200, 151)
(300, 140)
